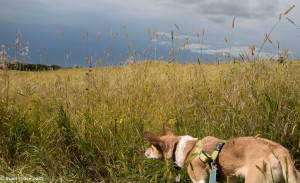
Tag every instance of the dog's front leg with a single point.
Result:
(198, 174)
(200, 181)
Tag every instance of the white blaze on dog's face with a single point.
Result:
(153, 153)
(162, 147)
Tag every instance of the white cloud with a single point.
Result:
(233, 51)
(175, 35)
(196, 47)
(165, 43)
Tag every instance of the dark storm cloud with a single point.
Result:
(218, 10)
(41, 22)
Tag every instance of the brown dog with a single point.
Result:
(251, 159)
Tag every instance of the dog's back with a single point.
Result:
(257, 159)
(289, 171)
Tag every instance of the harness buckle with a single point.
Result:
(219, 146)
(213, 166)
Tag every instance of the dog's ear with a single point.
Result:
(154, 140)
(167, 130)
(151, 138)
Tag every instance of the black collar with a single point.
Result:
(174, 157)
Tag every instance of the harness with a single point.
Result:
(203, 156)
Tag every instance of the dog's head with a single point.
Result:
(162, 147)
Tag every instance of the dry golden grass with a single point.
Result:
(59, 124)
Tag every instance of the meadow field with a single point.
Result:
(87, 124)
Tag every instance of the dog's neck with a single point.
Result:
(182, 150)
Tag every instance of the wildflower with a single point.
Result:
(171, 121)
(121, 121)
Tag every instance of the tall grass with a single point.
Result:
(43, 135)
(87, 124)
(268, 34)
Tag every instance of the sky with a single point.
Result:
(121, 23)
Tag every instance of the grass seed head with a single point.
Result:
(162, 35)
(287, 11)
(161, 57)
(290, 20)
(285, 128)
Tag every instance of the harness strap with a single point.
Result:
(194, 154)
(216, 152)
(211, 159)
(203, 156)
